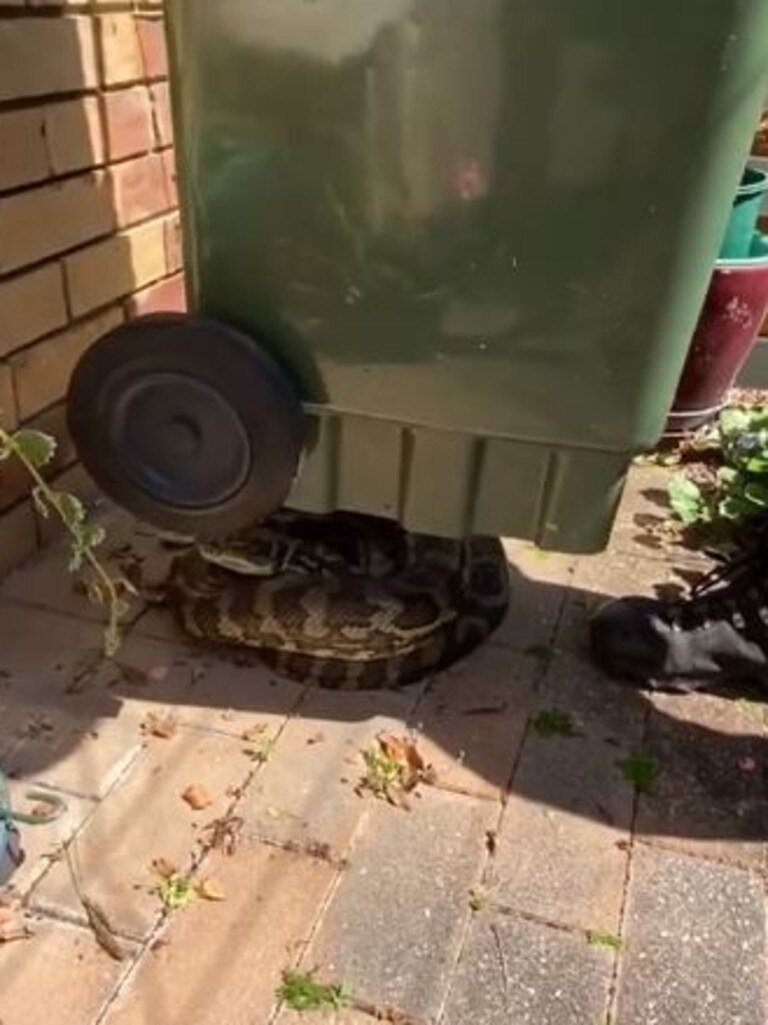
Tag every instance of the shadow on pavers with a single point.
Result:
(707, 757)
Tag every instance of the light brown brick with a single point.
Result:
(61, 968)
(152, 44)
(31, 305)
(46, 55)
(127, 122)
(18, 538)
(115, 267)
(169, 163)
(120, 51)
(73, 132)
(42, 372)
(140, 189)
(272, 900)
(166, 295)
(174, 256)
(161, 106)
(22, 144)
(7, 398)
(54, 218)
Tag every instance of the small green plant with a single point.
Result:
(35, 450)
(640, 770)
(300, 992)
(736, 490)
(176, 892)
(383, 773)
(551, 722)
(544, 654)
(479, 900)
(605, 940)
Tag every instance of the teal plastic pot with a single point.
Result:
(737, 244)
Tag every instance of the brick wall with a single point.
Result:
(88, 228)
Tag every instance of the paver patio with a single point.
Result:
(530, 885)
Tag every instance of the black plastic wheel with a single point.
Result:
(186, 423)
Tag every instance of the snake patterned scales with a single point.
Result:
(342, 600)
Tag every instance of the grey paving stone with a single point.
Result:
(695, 944)
(712, 792)
(472, 718)
(515, 972)
(643, 520)
(305, 793)
(394, 927)
(560, 851)
(538, 588)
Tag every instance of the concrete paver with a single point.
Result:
(695, 944)
(305, 793)
(515, 972)
(373, 896)
(472, 718)
(146, 818)
(221, 961)
(59, 974)
(711, 797)
(560, 848)
(394, 927)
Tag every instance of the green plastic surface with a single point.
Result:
(477, 234)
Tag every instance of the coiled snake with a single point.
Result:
(342, 600)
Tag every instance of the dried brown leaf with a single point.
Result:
(197, 797)
(164, 868)
(156, 725)
(210, 889)
(253, 732)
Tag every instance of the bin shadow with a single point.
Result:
(483, 722)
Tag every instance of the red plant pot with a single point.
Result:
(728, 326)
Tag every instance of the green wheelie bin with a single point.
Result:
(444, 258)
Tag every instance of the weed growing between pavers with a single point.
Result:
(551, 722)
(393, 769)
(640, 770)
(300, 992)
(604, 940)
(544, 654)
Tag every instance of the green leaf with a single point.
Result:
(300, 992)
(606, 940)
(71, 509)
(544, 654)
(734, 421)
(757, 493)
(640, 770)
(551, 722)
(34, 446)
(686, 500)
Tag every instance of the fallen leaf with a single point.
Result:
(197, 797)
(223, 834)
(43, 810)
(162, 726)
(210, 889)
(164, 868)
(253, 732)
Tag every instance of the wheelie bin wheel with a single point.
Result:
(186, 423)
